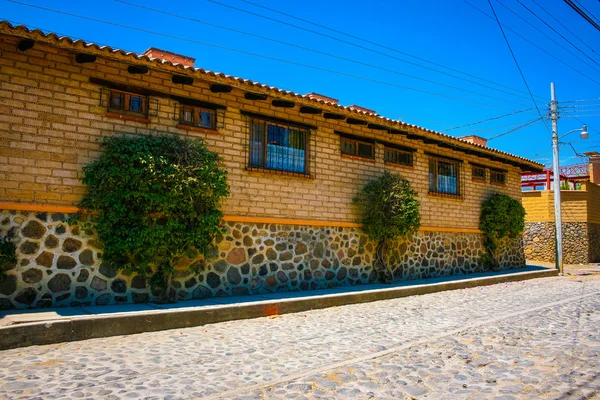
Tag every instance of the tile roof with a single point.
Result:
(427, 135)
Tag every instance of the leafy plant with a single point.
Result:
(8, 254)
(155, 199)
(501, 216)
(388, 209)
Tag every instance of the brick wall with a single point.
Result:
(51, 122)
(576, 205)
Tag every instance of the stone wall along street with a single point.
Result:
(61, 265)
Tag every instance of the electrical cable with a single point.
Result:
(488, 119)
(548, 37)
(381, 46)
(349, 43)
(515, 129)
(564, 26)
(534, 45)
(256, 55)
(582, 14)
(490, 128)
(558, 33)
(517, 64)
(320, 52)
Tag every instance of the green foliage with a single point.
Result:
(8, 254)
(564, 185)
(501, 216)
(156, 198)
(388, 209)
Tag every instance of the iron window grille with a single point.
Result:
(357, 148)
(478, 173)
(498, 177)
(279, 147)
(445, 177)
(398, 157)
(198, 116)
(128, 103)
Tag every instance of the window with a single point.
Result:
(498, 177)
(128, 103)
(478, 173)
(278, 146)
(444, 176)
(198, 116)
(357, 148)
(397, 156)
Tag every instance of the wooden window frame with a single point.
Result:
(388, 149)
(477, 178)
(265, 146)
(196, 110)
(356, 142)
(126, 104)
(435, 160)
(494, 173)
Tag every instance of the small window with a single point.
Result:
(498, 177)
(444, 176)
(279, 147)
(198, 116)
(478, 173)
(357, 148)
(128, 103)
(399, 157)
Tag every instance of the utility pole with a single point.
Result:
(557, 211)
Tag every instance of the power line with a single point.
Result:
(564, 26)
(319, 52)
(488, 119)
(379, 45)
(256, 55)
(517, 64)
(490, 128)
(547, 36)
(582, 14)
(353, 44)
(516, 129)
(534, 45)
(558, 33)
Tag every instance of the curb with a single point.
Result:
(99, 326)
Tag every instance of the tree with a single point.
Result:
(388, 209)
(154, 198)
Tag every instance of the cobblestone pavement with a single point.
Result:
(532, 339)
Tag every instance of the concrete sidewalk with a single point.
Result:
(20, 328)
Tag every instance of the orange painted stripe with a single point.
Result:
(229, 218)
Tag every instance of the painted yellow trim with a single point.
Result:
(38, 207)
(229, 218)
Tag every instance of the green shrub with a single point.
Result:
(501, 216)
(388, 209)
(155, 199)
(8, 256)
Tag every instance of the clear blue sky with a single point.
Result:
(448, 32)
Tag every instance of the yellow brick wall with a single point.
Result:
(576, 205)
(51, 124)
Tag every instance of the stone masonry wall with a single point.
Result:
(61, 265)
(581, 242)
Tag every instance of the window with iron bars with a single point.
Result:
(478, 173)
(128, 103)
(278, 147)
(498, 177)
(357, 148)
(444, 176)
(398, 157)
(198, 116)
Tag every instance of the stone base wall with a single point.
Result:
(581, 242)
(61, 265)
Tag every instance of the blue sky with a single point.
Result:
(450, 33)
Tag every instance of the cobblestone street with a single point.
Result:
(532, 339)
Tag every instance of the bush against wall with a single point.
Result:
(388, 209)
(501, 216)
(154, 199)
(8, 256)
